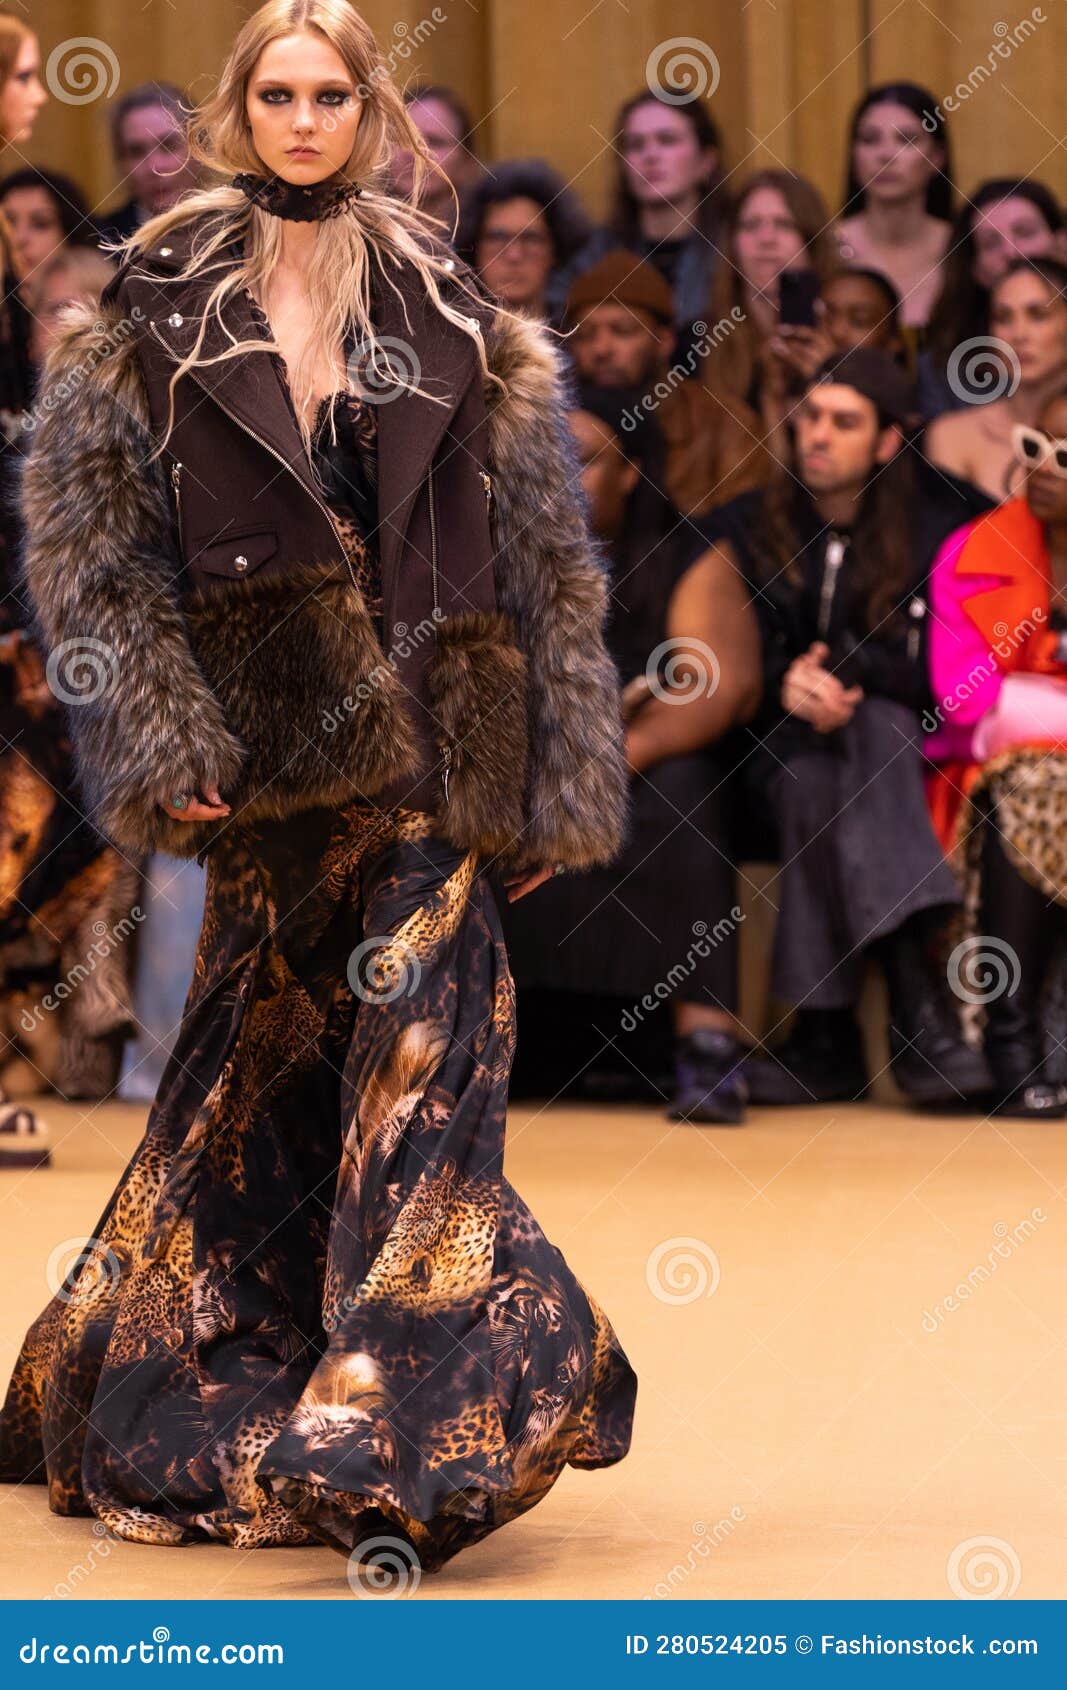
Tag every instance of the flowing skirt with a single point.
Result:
(314, 1310)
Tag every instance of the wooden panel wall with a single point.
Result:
(545, 76)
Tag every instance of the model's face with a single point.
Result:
(153, 158)
(615, 346)
(1031, 317)
(515, 252)
(856, 313)
(1046, 492)
(767, 240)
(894, 157)
(665, 163)
(608, 477)
(23, 94)
(36, 232)
(838, 439)
(1010, 229)
(303, 109)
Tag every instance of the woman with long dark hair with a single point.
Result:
(1023, 362)
(778, 222)
(898, 193)
(1005, 219)
(314, 509)
(668, 198)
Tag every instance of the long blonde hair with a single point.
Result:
(339, 273)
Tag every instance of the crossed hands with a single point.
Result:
(811, 692)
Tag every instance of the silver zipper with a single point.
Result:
(176, 483)
(487, 483)
(835, 557)
(446, 750)
(267, 447)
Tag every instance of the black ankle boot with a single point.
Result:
(821, 1061)
(709, 1083)
(930, 1060)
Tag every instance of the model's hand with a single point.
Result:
(197, 811)
(524, 880)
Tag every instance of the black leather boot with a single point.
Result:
(930, 1060)
(820, 1061)
(1020, 924)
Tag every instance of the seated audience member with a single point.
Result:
(1002, 221)
(44, 211)
(447, 130)
(854, 308)
(152, 158)
(898, 193)
(1028, 314)
(623, 338)
(998, 663)
(73, 273)
(832, 560)
(657, 924)
(778, 222)
(667, 202)
(522, 223)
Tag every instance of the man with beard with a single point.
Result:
(835, 555)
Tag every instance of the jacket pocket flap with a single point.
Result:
(236, 555)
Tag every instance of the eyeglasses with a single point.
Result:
(527, 240)
(1034, 449)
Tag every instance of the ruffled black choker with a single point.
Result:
(291, 200)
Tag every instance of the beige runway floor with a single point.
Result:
(849, 1328)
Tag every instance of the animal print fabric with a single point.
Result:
(314, 1310)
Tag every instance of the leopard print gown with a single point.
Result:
(314, 1310)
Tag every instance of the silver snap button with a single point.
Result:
(165, 251)
(473, 323)
(176, 320)
(450, 264)
(240, 562)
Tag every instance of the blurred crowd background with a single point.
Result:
(808, 272)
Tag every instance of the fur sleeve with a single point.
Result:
(99, 567)
(551, 581)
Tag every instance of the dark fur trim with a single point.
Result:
(295, 663)
(99, 565)
(477, 685)
(550, 580)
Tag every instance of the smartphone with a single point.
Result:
(797, 292)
